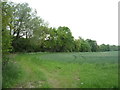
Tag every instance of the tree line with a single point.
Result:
(24, 31)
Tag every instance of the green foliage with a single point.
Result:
(113, 48)
(30, 33)
(84, 46)
(6, 42)
(51, 40)
(22, 18)
(22, 45)
(104, 47)
(6, 19)
(6, 37)
(39, 36)
(65, 39)
(77, 44)
(93, 45)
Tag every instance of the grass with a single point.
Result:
(62, 70)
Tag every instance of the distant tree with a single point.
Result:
(51, 40)
(84, 46)
(77, 45)
(21, 25)
(93, 45)
(39, 36)
(104, 47)
(113, 48)
(65, 40)
(107, 47)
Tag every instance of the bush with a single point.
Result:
(22, 45)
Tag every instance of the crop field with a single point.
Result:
(62, 70)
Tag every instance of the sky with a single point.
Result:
(89, 19)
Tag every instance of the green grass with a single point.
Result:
(63, 70)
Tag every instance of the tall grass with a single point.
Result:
(12, 74)
(63, 70)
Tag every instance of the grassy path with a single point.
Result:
(62, 70)
(33, 77)
(51, 79)
(45, 78)
(54, 78)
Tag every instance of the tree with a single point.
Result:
(104, 47)
(21, 25)
(39, 37)
(51, 40)
(113, 48)
(26, 24)
(6, 38)
(84, 45)
(6, 19)
(93, 45)
(65, 40)
(77, 44)
(22, 18)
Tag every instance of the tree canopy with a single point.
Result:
(24, 31)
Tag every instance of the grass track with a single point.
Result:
(64, 70)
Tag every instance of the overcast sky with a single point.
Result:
(93, 19)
